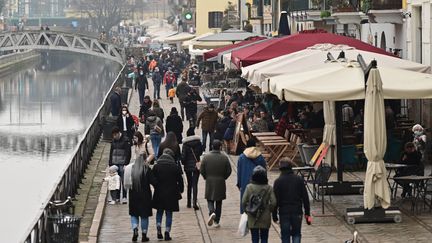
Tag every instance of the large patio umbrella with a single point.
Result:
(280, 46)
(196, 44)
(375, 143)
(329, 135)
(314, 57)
(231, 35)
(215, 52)
(179, 37)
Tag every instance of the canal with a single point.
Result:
(44, 110)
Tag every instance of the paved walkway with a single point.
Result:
(190, 226)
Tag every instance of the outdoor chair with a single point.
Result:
(300, 149)
(308, 152)
(320, 181)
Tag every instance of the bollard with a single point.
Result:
(110, 122)
(124, 95)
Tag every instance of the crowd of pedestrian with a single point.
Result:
(161, 157)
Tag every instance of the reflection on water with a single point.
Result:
(45, 108)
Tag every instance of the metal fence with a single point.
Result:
(68, 183)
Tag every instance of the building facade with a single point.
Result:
(209, 15)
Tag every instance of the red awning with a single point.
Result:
(281, 46)
(216, 51)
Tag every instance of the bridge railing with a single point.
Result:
(68, 183)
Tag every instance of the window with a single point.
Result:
(215, 19)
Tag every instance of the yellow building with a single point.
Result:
(209, 14)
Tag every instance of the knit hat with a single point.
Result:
(417, 127)
(113, 168)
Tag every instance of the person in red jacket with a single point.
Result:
(169, 80)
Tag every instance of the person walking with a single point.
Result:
(222, 125)
(141, 84)
(158, 110)
(141, 147)
(157, 81)
(259, 194)
(248, 160)
(140, 196)
(144, 108)
(191, 154)
(191, 105)
(169, 80)
(126, 123)
(209, 119)
(215, 169)
(174, 124)
(113, 180)
(120, 154)
(291, 195)
(167, 191)
(182, 91)
(154, 127)
(115, 99)
(170, 142)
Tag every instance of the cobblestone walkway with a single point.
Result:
(190, 225)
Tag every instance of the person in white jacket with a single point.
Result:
(113, 184)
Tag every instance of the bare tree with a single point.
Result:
(106, 14)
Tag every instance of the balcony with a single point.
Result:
(386, 4)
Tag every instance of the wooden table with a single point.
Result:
(276, 150)
(263, 134)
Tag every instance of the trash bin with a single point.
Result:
(109, 123)
(124, 95)
(63, 228)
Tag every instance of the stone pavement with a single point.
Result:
(190, 225)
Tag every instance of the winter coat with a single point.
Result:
(209, 120)
(141, 82)
(140, 199)
(145, 107)
(120, 152)
(174, 124)
(291, 194)
(157, 79)
(151, 123)
(191, 143)
(166, 144)
(248, 160)
(269, 200)
(129, 125)
(113, 181)
(260, 125)
(169, 79)
(190, 103)
(115, 104)
(169, 184)
(159, 113)
(221, 127)
(215, 168)
(182, 90)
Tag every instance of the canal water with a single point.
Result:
(44, 110)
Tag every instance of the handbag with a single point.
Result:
(243, 225)
(158, 129)
(197, 162)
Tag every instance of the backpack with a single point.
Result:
(256, 204)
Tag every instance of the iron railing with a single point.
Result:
(68, 183)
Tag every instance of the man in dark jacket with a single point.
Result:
(182, 92)
(116, 102)
(157, 81)
(291, 195)
(141, 84)
(215, 168)
(120, 155)
(191, 105)
(222, 125)
(191, 153)
(209, 119)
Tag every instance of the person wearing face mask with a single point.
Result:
(141, 84)
(209, 119)
(143, 147)
(120, 155)
(419, 139)
(157, 81)
(126, 123)
(411, 157)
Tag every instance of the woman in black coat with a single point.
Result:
(167, 191)
(140, 196)
(174, 124)
(191, 152)
(125, 120)
(171, 143)
(222, 125)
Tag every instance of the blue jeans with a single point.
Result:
(141, 93)
(291, 228)
(204, 139)
(121, 174)
(156, 141)
(156, 91)
(258, 234)
(168, 220)
(144, 223)
(216, 208)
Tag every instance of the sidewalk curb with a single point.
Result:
(98, 216)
